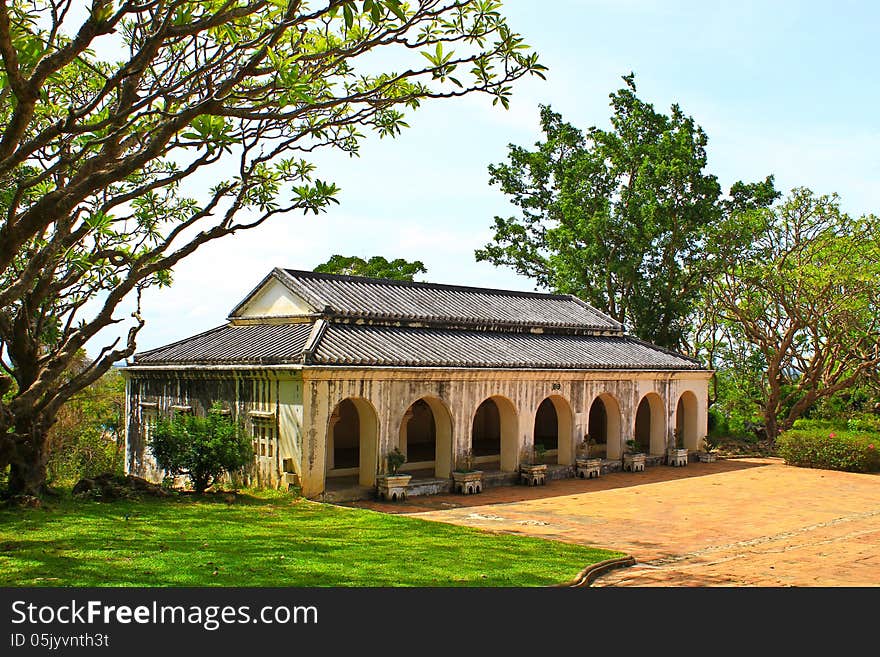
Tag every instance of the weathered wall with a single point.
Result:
(273, 398)
(388, 393)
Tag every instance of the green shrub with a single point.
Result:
(819, 424)
(864, 422)
(818, 448)
(202, 448)
(87, 453)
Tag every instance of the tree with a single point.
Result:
(802, 301)
(622, 218)
(95, 152)
(88, 437)
(202, 448)
(376, 267)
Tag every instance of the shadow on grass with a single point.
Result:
(202, 541)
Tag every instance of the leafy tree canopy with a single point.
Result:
(98, 153)
(376, 267)
(622, 218)
(796, 311)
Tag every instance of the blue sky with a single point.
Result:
(783, 88)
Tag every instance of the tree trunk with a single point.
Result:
(770, 426)
(27, 468)
(27, 473)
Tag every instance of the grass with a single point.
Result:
(265, 539)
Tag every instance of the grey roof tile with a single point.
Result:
(417, 347)
(373, 298)
(252, 343)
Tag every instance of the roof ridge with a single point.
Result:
(422, 284)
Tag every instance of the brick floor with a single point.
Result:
(735, 522)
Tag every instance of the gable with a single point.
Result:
(272, 299)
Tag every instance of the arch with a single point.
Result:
(426, 436)
(554, 429)
(352, 440)
(494, 433)
(686, 420)
(603, 425)
(650, 426)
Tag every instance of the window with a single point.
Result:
(264, 436)
(149, 415)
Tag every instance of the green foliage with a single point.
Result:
(858, 423)
(632, 446)
(395, 458)
(710, 443)
(109, 113)
(623, 218)
(203, 448)
(540, 452)
(792, 318)
(87, 437)
(853, 451)
(376, 267)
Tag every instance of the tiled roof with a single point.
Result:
(253, 343)
(376, 299)
(417, 347)
(365, 345)
(375, 322)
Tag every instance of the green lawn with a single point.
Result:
(265, 539)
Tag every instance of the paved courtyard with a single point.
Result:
(735, 522)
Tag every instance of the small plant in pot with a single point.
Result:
(466, 479)
(532, 469)
(633, 457)
(677, 455)
(392, 486)
(587, 467)
(710, 444)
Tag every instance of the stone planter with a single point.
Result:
(468, 483)
(676, 457)
(393, 487)
(588, 468)
(706, 457)
(533, 474)
(634, 462)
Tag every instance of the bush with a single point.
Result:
(817, 448)
(202, 448)
(87, 453)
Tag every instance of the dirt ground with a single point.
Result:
(737, 522)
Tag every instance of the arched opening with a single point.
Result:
(603, 426)
(352, 439)
(547, 430)
(650, 428)
(553, 430)
(426, 438)
(686, 420)
(493, 435)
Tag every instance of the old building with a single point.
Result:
(329, 373)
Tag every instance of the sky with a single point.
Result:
(784, 88)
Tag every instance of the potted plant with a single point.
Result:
(466, 479)
(587, 467)
(633, 458)
(677, 455)
(392, 486)
(710, 444)
(532, 469)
